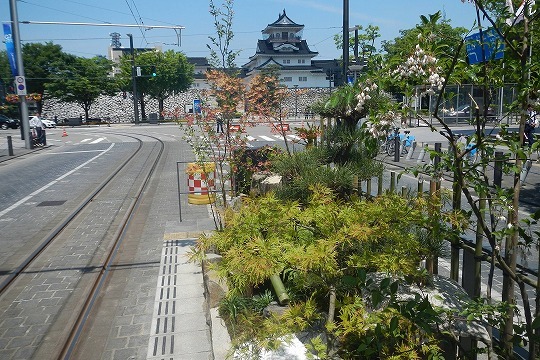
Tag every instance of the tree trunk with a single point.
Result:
(143, 107)
(160, 107)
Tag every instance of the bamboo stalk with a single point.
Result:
(279, 288)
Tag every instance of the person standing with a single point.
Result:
(37, 124)
(219, 121)
(530, 125)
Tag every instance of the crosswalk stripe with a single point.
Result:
(97, 140)
(294, 137)
(267, 138)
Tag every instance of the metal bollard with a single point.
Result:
(10, 146)
(422, 153)
(392, 182)
(411, 151)
(525, 170)
(437, 159)
(420, 188)
(498, 169)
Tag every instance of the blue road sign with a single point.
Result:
(493, 47)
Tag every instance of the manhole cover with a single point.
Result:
(52, 203)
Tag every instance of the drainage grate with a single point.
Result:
(52, 203)
(164, 328)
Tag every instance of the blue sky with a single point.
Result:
(322, 19)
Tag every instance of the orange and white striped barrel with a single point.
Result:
(201, 183)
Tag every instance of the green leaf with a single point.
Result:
(536, 323)
(394, 323)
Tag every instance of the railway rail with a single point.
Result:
(121, 193)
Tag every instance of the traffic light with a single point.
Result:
(153, 71)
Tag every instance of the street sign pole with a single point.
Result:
(25, 132)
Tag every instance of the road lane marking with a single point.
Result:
(25, 199)
(97, 140)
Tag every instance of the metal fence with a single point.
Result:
(458, 100)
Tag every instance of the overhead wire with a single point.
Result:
(135, 18)
(62, 11)
(134, 12)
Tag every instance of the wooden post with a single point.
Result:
(497, 170)
(392, 181)
(455, 251)
(432, 264)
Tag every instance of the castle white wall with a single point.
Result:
(119, 110)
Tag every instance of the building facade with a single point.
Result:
(282, 46)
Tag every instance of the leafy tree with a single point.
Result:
(5, 72)
(437, 32)
(5, 83)
(494, 208)
(222, 100)
(366, 41)
(174, 74)
(223, 21)
(83, 82)
(42, 65)
(264, 100)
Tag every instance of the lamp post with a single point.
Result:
(134, 80)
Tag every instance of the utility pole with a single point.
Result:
(20, 72)
(134, 81)
(345, 40)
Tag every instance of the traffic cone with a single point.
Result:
(64, 133)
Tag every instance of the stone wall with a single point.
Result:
(118, 110)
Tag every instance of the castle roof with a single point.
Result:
(300, 48)
(284, 21)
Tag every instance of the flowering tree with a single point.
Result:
(420, 68)
(220, 101)
(264, 99)
(495, 209)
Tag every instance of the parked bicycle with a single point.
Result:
(465, 144)
(388, 141)
(405, 142)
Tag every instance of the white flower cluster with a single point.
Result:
(364, 95)
(383, 124)
(421, 67)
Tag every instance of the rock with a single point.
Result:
(274, 309)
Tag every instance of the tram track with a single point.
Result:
(141, 165)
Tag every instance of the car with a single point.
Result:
(49, 124)
(464, 111)
(8, 123)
